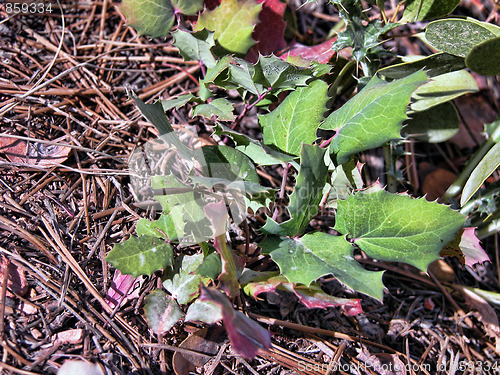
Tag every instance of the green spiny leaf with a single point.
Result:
(434, 65)
(372, 117)
(257, 151)
(397, 228)
(220, 108)
(229, 163)
(156, 17)
(488, 164)
(184, 284)
(149, 17)
(305, 259)
(189, 7)
(140, 255)
(196, 46)
(296, 119)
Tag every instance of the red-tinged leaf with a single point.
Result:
(321, 53)
(315, 298)
(270, 31)
(16, 278)
(268, 285)
(471, 248)
(466, 247)
(123, 288)
(247, 337)
(162, 312)
(312, 297)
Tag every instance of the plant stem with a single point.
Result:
(282, 190)
(248, 107)
(392, 182)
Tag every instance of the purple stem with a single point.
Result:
(248, 107)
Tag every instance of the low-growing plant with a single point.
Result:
(206, 192)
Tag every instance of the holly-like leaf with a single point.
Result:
(456, 36)
(488, 164)
(421, 10)
(247, 337)
(156, 17)
(196, 45)
(270, 31)
(303, 260)
(184, 284)
(397, 228)
(162, 312)
(232, 23)
(372, 117)
(312, 297)
(437, 124)
(281, 75)
(307, 193)
(443, 88)
(140, 255)
(483, 58)
(220, 108)
(296, 119)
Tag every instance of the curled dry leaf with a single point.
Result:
(40, 154)
(16, 279)
(206, 341)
